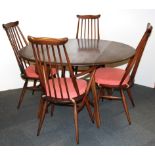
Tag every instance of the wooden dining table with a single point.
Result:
(89, 52)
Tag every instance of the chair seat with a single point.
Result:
(31, 72)
(82, 84)
(110, 77)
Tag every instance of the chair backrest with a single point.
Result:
(51, 53)
(88, 27)
(134, 62)
(88, 44)
(17, 41)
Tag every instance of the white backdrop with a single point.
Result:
(57, 18)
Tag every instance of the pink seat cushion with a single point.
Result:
(82, 84)
(110, 77)
(31, 72)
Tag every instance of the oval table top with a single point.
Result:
(84, 52)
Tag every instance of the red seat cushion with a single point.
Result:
(110, 77)
(82, 84)
(31, 72)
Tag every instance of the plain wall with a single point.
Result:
(57, 18)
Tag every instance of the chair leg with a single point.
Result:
(75, 69)
(109, 91)
(130, 97)
(100, 94)
(22, 94)
(76, 122)
(96, 105)
(89, 110)
(34, 86)
(125, 106)
(52, 109)
(42, 117)
(40, 108)
(63, 71)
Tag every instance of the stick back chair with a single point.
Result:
(122, 79)
(18, 42)
(58, 90)
(87, 28)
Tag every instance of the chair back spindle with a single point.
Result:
(17, 41)
(88, 27)
(51, 53)
(27, 70)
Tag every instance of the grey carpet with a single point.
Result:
(19, 127)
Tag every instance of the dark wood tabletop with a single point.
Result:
(83, 52)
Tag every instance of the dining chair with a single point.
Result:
(69, 90)
(87, 28)
(122, 80)
(27, 71)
